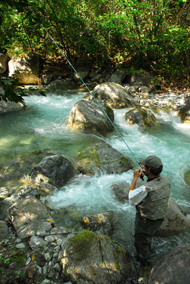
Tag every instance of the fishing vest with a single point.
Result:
(155, 205)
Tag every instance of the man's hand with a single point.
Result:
(136, 175)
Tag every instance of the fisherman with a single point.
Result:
(151, 201)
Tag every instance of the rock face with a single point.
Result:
(141, 116)
(184, 112)
(26, 69)
(28, 215)
(4, 58)
(93, 258)
(114, 95)
(57, 169)
(174, 223)
(102, 158)
(87, 116)
(173, 268)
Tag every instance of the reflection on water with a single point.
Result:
(43, 125)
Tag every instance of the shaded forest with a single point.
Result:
(152, 35)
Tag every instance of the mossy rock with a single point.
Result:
(102, 158)
(80, 245)
(141, 116)
(187, 177)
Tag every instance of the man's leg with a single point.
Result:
(144, 231)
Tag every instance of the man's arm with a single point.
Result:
(136, 175)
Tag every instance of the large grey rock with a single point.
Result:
(82, 72)
(94, 258)
(87, 116)
(173, 268)
(59, 85)
(113, 95)
(142, 78)
(118, 76)
(102, 158)
(141, 116)
(56, 170)
(175, 221)
(25, 69)
(28, 215)
(10, 106)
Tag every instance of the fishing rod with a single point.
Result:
(91, 94)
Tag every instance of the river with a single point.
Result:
(43, 125)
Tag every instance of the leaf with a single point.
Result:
(49, 220)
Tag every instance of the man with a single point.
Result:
(151, 201)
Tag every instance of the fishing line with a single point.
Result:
(89, 91)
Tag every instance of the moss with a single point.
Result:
(187, 177)
(117, 265)
(80, 245)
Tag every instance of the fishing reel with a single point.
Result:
(142, 175)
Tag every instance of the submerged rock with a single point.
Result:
(87, 116)
(172, 268)
(94, 258)
(175, 221)
(141, 116)
(102, 158)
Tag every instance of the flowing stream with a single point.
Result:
(43, 125)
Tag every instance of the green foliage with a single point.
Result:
(11, 91)
(153, 34)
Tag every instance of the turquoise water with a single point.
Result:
(43, 125)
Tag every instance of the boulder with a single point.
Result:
(114, 95)
(4, 58)
(94, 258)
(142, 78)
(87, 116)
(184, 112)
(60, 85)
(103, 222)
(10, 106)
(102, 158)
(121, 191)
(118, 76)
(28, 215)
(25, 69)
(175, 221)
(82, 72)
(141, 116)
(56, 170)
(173, 268)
